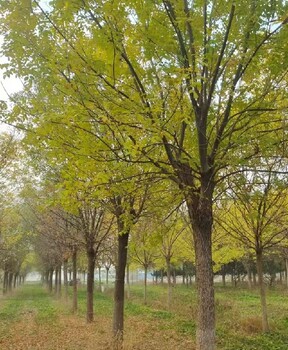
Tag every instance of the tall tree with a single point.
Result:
(194, 105)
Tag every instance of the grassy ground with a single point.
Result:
(31, 319)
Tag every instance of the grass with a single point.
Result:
(42, 322)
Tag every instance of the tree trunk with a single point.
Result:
(51, 280)
(145, 284)
(74, 274)
(286, 272)
(205, 336)
(118, 317)
(249, 275)
(59, 280)
(5, 281)
(100, 278)
(201, 217)
(223, 278)
(107, 275)
(169, 290)
(56, 281)
(10, 281)
(65, 272)
(254, 278)
(259, 261)
(90, 284)
(128, 280)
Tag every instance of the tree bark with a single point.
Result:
(223, 278)
(128, 280)
(200, 213)
(5, 281)
(65, 272)
(107, 275)
(286, 272)
(259, 261)
(118, 317)
(74, 274)
(145, 284)
(169, 290)
(90, 284)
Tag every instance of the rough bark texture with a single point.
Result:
(118, 319)
(259, 262)
(200, 212)
(90, 284)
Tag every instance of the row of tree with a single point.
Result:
(128, 103)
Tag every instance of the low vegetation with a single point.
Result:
(30, 318)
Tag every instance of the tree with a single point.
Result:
(257, 217)
(194, 105)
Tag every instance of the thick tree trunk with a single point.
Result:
(259, 261)
(90, 284)
(200, 212)
(74, 274)
(205, 335)
(118, 317)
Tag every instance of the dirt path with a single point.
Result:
(40, 322)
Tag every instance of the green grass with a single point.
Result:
(238, 313)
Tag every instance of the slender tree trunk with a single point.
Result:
(107, 275)
(118, 317)
(145, 284)
(169, 290)
(10, 281)
(249, 275)
(223, 278)
(15, 280)
(174, 277)
(5, 281)
(100, 278)
(74, 274)
(286, 272)
(259, 261)
(56, 281)
(128, 280)
(50, 286)
(90, 284)
(65, 273)
(254, 278)
(59, 281)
